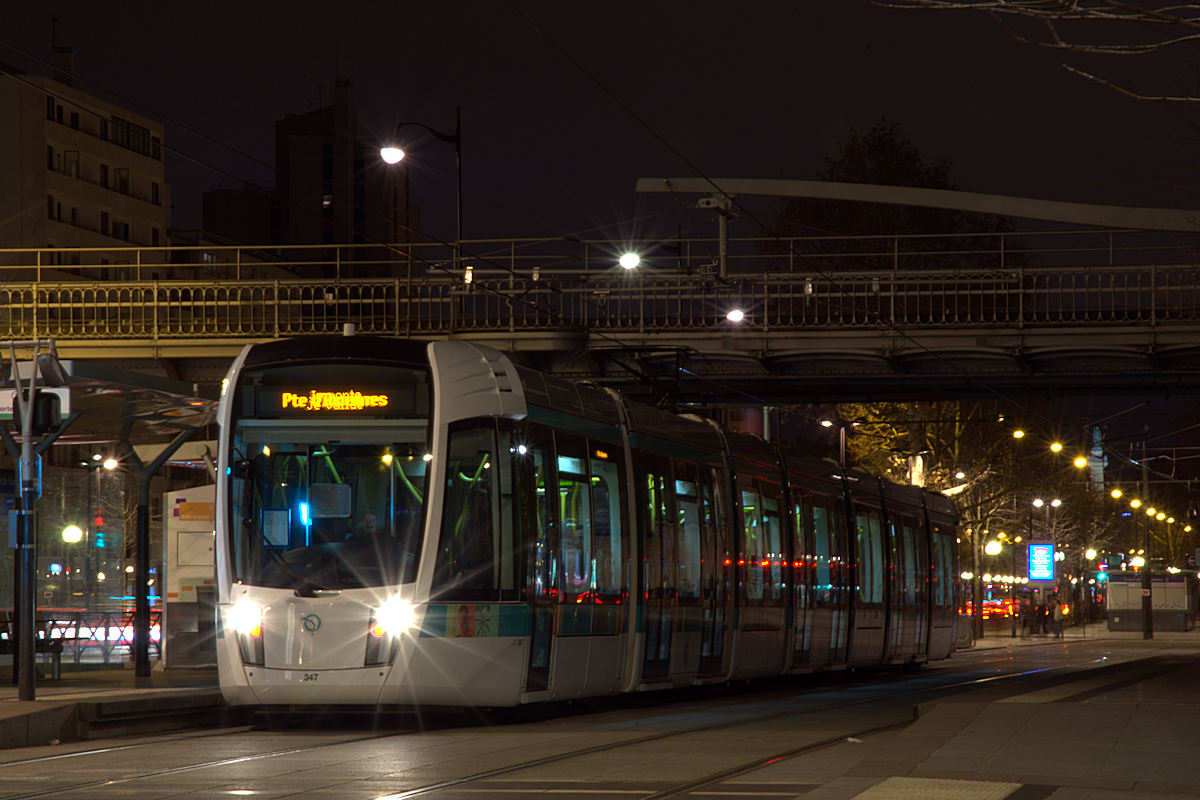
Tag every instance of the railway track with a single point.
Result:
(858, 711)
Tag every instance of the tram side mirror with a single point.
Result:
(241, 469)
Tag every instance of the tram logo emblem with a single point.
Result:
(311, 623)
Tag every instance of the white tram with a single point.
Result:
(403, 522)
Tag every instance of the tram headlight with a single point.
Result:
(393, 618)
(245, 618)
(388, 620)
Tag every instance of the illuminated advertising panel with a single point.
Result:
(1041, 562)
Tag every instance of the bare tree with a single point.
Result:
(1095, 27)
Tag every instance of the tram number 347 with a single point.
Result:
(309, 677)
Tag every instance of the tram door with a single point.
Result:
(716, 576)
(658, 554)
(867, 641)
(803, 567)
(537, 473)
(827, 628)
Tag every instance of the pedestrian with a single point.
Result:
(1058, 620)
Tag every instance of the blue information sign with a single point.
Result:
(1041, 562)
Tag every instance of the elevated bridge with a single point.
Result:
(839, 318)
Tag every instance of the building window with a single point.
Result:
(154, 198)
(156, 148)
(104, 175)
(131, 136)
(104, 222)
(49, 106)
(58, 113)
(154, 237)
(71, 162)
(58, 211)
(75, 120)
(104, 129)
(49, 206)
(122, 179)
(74, 216)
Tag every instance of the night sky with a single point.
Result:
(761, 89)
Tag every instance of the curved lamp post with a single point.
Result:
(393, 154)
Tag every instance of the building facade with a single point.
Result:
(331, 187)
(77, 171)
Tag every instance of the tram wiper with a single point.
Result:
(305, 588)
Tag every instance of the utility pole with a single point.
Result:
(1147, 603)
(37, 414)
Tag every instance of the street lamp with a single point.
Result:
(392, 154)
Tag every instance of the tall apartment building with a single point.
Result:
(331, 187)
(75, 170)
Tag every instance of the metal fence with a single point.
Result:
(541, 285)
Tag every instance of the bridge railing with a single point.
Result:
(578, 290)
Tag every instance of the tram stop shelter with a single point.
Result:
(1173, 598)
(97, 405)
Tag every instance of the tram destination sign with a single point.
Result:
(324, 402)
(1041, 561)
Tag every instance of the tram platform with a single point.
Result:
(1092, 739)
(109, 702)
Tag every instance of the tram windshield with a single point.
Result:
(328, 516)
(322, 495)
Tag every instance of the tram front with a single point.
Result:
(323, 460)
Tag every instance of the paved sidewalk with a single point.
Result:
(1086, 740)
(114, 701)
(997, 637)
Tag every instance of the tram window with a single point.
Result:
(575, 512)
(543, 555)
(912, 567)
(943, 568)
(687, 503)
(609, 542)
(899, 567)
(773, 540)
(656, 579)
(870, 555)
(754, 550)
(467, 561)
(822, 527)
(508, 547)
